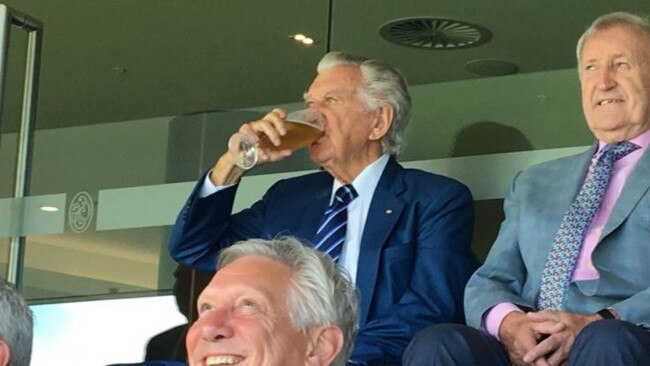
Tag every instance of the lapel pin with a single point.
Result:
(389, 211)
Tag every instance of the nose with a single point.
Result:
(606, 79)
(216, 326)
(316, 111)
(315, 107)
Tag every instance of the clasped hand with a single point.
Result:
(542, 338)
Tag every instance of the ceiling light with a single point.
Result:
(49, 208)
(302, 39)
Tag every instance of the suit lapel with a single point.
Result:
(310, 213)
(635, 187)
(572, 182)
(385, 211)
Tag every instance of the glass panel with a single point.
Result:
(79, 259)
(117, 188)
(71, 266)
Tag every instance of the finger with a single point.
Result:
(279, 112)
(268, 126)
(277, 117)
(541, 362)
(519, 349)
(526, 342)
(542, 349)
(266, 156)
(276, 155)
(540, 316)
(547, 327)
(271, 125)
(557, 358)
(561, 354)
(248, 130)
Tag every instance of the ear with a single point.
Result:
(326, 343)
(5, 353)
(381, 123)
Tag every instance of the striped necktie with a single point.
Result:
(331, 232)
(566, 247)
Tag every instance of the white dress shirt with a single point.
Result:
(365, 184)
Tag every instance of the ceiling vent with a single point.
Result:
(435, 33)
(486, 67)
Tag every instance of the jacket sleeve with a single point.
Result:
(503, 275)
(205, 226)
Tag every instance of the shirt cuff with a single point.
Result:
(493, 318)
(208, 188)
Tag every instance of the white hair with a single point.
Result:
(608, 21)
(16, 324)
(383, 85)
(320, 292)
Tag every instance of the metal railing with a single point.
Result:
(8, 18)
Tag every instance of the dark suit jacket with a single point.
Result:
(168, 345)
(538, 199)
(415, 255)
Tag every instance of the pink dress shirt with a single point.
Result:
(584, 269)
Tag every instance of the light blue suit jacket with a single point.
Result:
(538, 199)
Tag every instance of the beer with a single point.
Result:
(298, 136)
(302, 128)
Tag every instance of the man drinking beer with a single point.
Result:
(402, 234)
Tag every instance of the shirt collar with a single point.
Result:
(643, 140)
(366, 182)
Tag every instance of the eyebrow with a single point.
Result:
(239, 290)
(337, 91)
(614, 56)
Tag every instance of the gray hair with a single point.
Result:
(608, 21)
(16, 324)
(384, 85)
(320, 292)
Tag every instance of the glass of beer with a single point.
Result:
(303, 127)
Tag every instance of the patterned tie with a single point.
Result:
(331, 232)
(568, 240)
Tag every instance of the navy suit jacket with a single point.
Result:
(414, 260)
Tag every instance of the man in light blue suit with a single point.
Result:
(407, 242)
(601, 314)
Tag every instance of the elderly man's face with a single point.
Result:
(615, 80)
(243, 318)
(348, 123)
